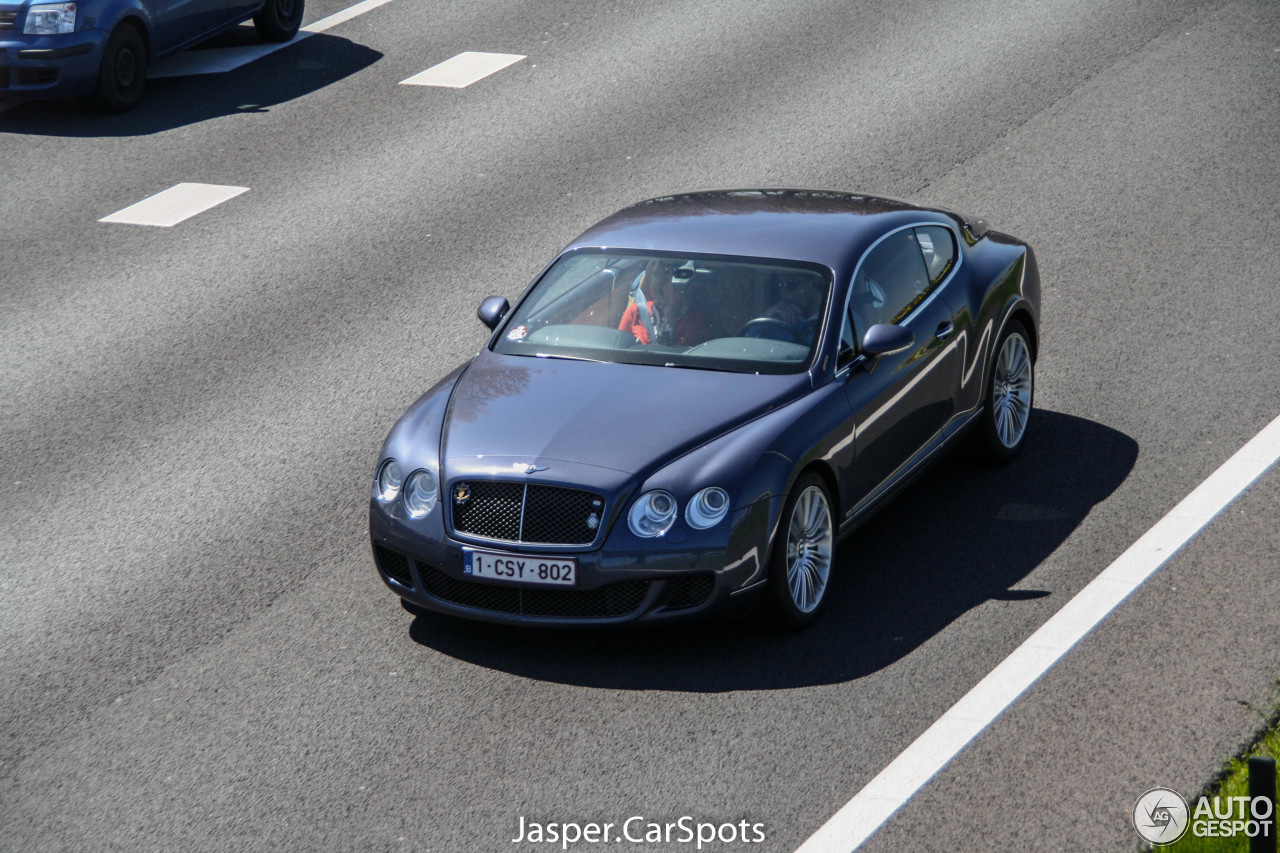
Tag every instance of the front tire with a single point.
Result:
(279, 20)
(1010, 391)
(122, 76)
(800, 565)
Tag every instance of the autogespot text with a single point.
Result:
(639, 830)
(1228, 817)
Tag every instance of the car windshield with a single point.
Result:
(716, 313)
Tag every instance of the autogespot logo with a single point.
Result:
(1161, 816)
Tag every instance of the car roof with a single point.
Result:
(816, 226)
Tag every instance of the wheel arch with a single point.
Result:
(1020, 312)
(129, 13)
(135, 20)
(828, 476)
(1023, 315)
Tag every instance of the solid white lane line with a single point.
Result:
(218, 60)
(934, 749)
(175, 204)
(463, 69)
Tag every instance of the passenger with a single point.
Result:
(672, 317)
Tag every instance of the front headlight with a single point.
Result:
(50, 19)
(652, 514)
(388, 481)
(420, 493)
(707, 508)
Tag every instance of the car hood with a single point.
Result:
(623, 417)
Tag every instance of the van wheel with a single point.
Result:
(279, 19)
(122, 77)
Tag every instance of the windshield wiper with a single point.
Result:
(568, 357)
(699, 367)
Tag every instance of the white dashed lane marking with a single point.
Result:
(218, 60)
(175, 204)
(945, 739)
(463, 69)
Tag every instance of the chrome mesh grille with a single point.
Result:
(528, 513)
(491, 511)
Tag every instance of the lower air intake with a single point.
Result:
(611, 601)
(689, 591)
(393, 565)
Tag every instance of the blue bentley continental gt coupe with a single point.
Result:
(695, 401)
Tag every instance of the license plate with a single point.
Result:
(519, 568)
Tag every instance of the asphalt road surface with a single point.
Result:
(195, 650)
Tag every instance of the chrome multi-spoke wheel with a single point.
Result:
(1011, 392)
(801, 566)
(809, 542)
(1009, 395)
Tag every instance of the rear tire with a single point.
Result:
(122, 76)
(800, 564)
(1002, 429)
(279, 19)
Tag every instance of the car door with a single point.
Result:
(240, 9)
(902, 401)
(179, 21)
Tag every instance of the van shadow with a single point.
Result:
(963, 534)
(172, 102)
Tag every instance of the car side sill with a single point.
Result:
(950, 433)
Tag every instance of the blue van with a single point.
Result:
(102, 48)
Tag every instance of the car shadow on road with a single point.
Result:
(963, 534)
(172, 102)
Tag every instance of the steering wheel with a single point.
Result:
(764, 325)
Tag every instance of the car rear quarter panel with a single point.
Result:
(1004, 282)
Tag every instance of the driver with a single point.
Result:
(672, 318)
(800, 303)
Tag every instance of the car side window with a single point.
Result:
(939, 249)
(891, 281)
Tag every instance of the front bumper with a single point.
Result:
(50, 66)
(672, 578)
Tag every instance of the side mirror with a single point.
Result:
(884, 339)
(492, 310)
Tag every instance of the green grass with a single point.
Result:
(1231, 781)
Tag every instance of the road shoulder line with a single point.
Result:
(894, 786)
